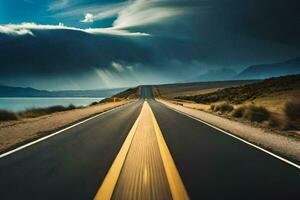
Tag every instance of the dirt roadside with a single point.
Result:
(18, 132)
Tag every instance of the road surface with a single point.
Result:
(147, 151)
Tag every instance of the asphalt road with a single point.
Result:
(70, 165)
(212, 165)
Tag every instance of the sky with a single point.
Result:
(92, 44)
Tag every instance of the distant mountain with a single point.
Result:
(7, 91)
(221, 74)
(271, 70)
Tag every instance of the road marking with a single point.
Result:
(174, 181)
(236, 137)
(177, 188)
(53, 134)
(108, 185)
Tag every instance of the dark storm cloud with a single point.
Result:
(48, 52)
(165, 39)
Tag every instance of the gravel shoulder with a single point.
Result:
(16, 133)
(286, 146)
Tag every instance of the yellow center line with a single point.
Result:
(106, 189)
(176, 185)
(177, 188)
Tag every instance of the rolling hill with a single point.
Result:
(271, 70)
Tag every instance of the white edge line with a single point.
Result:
(55, 133)
(236, 137)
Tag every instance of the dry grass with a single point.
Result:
(190, 93)
(292, 113)
(131, 93)
(190, 89)
(37, 112)
(222, 107)
(33, 112)
(188, 104)
(257, 114)
(250, 92)
(275, 102)
(292, 109)
(239, 112)
(6, 115)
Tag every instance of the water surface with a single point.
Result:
(23, 103)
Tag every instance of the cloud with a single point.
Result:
(58, 4)
(111, 12)
(88, 18)
(29, 28)
(146, 12)
(117, 66)
(11, 31)
(150, 41)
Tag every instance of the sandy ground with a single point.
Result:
(286, 146)
(172, 94)
(14, 133)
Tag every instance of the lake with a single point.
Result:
(22, 103)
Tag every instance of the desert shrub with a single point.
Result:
(223, 107)
(275, 122)
(257, 113)
(36, 112)
(94, 103)
(292, 109)
(7, 115)
(292, 114)
(71, 107)
(212, 107)
(292, 125)
(238, 112)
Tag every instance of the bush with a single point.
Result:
(94, 103)
(36, 112)
(223, 107)
(257, 113)
(275, 122)
(239, 112)
(6, 115)
(212, 107)
(292, 109)
(292, 114)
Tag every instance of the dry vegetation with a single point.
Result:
(250, 92)
(7, 115)
(131, 93)
(190, 89)
(288, 120)
(274, 102)
(33, 112)
(292, 113)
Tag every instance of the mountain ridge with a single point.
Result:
(10, 91)
(264, 71)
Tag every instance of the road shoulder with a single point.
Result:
(284, 146)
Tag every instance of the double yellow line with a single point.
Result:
(176, 185)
